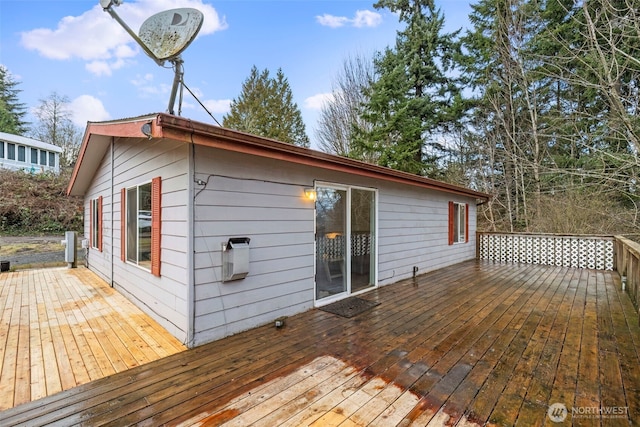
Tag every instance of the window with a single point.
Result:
(52, 159)
(140, 232)
(11, 151)
(1, 149)
(22, 153)
(43, 158)
(34, 156)
(95, 223)
(458, 223)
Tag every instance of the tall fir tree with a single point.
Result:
(414, 98)
(12, 111)
(266, 108)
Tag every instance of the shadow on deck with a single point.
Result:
(474, 343)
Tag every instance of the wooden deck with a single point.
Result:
(473, 344)
(61, 328)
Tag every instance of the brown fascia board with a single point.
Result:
(182, 129)
(99, 135)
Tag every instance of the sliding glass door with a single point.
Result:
(345, 241)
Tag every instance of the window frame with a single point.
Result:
(32, 158)
(11, 151)
(458, 223)
(22, 153)
(95, 223)
(133, 232)
(43, 158)
(129, 209)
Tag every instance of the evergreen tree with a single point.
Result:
(266, 108)
(413, 101)
(12, 111)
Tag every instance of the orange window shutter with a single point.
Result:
(466, 222)
(451, 221)
(91, 236)
(123, 223)
(100, 223)
(156, 223)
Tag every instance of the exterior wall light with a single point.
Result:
(310, 193)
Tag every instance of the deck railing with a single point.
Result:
(628, 265)
(595, 252)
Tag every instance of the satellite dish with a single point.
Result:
(163, 37)
(167, 34)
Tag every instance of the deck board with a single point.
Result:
(59, 331)
(473, 344)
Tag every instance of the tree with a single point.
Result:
(266, 108)
(55, 126)
(555, 114)
(341, 115)
(414, 100)
(12, 111)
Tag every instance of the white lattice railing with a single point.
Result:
(595, 252)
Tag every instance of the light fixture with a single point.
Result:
(310, 193)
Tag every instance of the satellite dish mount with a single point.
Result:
(163, 37)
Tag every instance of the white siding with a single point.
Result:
(413, 231)
(135, 162)
(264, 200)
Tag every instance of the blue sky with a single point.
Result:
(76, 49)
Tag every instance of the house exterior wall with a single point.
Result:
(263, 199)
(255, 198)
(131, 162)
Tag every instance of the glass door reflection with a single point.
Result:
(331, 242)
(362, 239)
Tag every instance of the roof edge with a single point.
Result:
(243, 142)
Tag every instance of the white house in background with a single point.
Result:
(29, 155)
(213, 231)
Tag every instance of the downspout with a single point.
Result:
(112, 210)
(191, 176)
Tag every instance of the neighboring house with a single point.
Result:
(174, 207)
(29, 155)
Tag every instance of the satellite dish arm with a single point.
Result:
(177, 79)
(144, 47)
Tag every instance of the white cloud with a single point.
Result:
(104, 43)
(362, 18)
(366, 18)
(104, 68)
(87, 108)
(316, 102)
(147, 88)
(332, 21)
(217, 106)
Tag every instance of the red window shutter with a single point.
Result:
(451, 221)
(99, 237)
(123, 224)
(156, 222)
(466, 222)
(91, 236)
